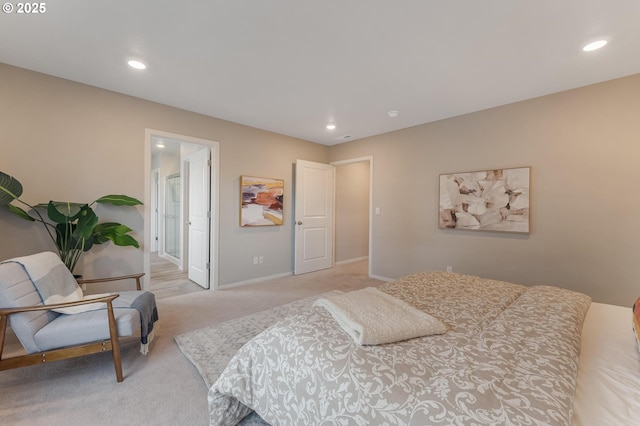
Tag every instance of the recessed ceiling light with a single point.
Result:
(136, 64)
(331, 126)
(594, 45)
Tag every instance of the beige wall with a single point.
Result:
(69, 141)
(583, 147)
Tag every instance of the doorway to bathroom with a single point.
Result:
(181, 213)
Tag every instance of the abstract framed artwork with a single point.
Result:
(490, 200)
(261, 201)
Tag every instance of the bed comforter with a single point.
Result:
(510, 356)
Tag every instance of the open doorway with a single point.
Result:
(181, 209)
(340, 194)
(353, 211)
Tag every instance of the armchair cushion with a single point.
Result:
(17, 290)
(72, 330)
(54, 282)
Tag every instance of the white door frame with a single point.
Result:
(359, 160)
(155, 210)
(215, 191)
(371, 209)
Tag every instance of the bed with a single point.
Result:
(510, 355)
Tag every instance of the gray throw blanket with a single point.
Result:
(145, 303)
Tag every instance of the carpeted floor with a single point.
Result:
(163, 388)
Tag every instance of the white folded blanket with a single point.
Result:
(372, 317)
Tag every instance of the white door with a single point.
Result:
(199, 211)
(313, 217)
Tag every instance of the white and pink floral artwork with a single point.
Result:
(491, 200)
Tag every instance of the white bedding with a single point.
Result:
(608, 383)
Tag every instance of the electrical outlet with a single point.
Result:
(255, 260)
(261, 260)
(449, 269)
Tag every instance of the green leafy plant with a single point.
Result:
(73, 227)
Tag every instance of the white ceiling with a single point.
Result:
(292, 66)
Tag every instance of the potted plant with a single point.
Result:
(72, 227)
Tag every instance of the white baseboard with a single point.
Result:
(255, 280)
(378, 277)
(171, 259)
(357, 259)
(286, 274)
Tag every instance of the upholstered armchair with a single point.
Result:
(53, 326)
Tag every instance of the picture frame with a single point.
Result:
(489, 200)
(261, 201)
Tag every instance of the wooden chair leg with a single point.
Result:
(3, 331)
(115, 345)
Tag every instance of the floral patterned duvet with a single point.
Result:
(510, 356)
